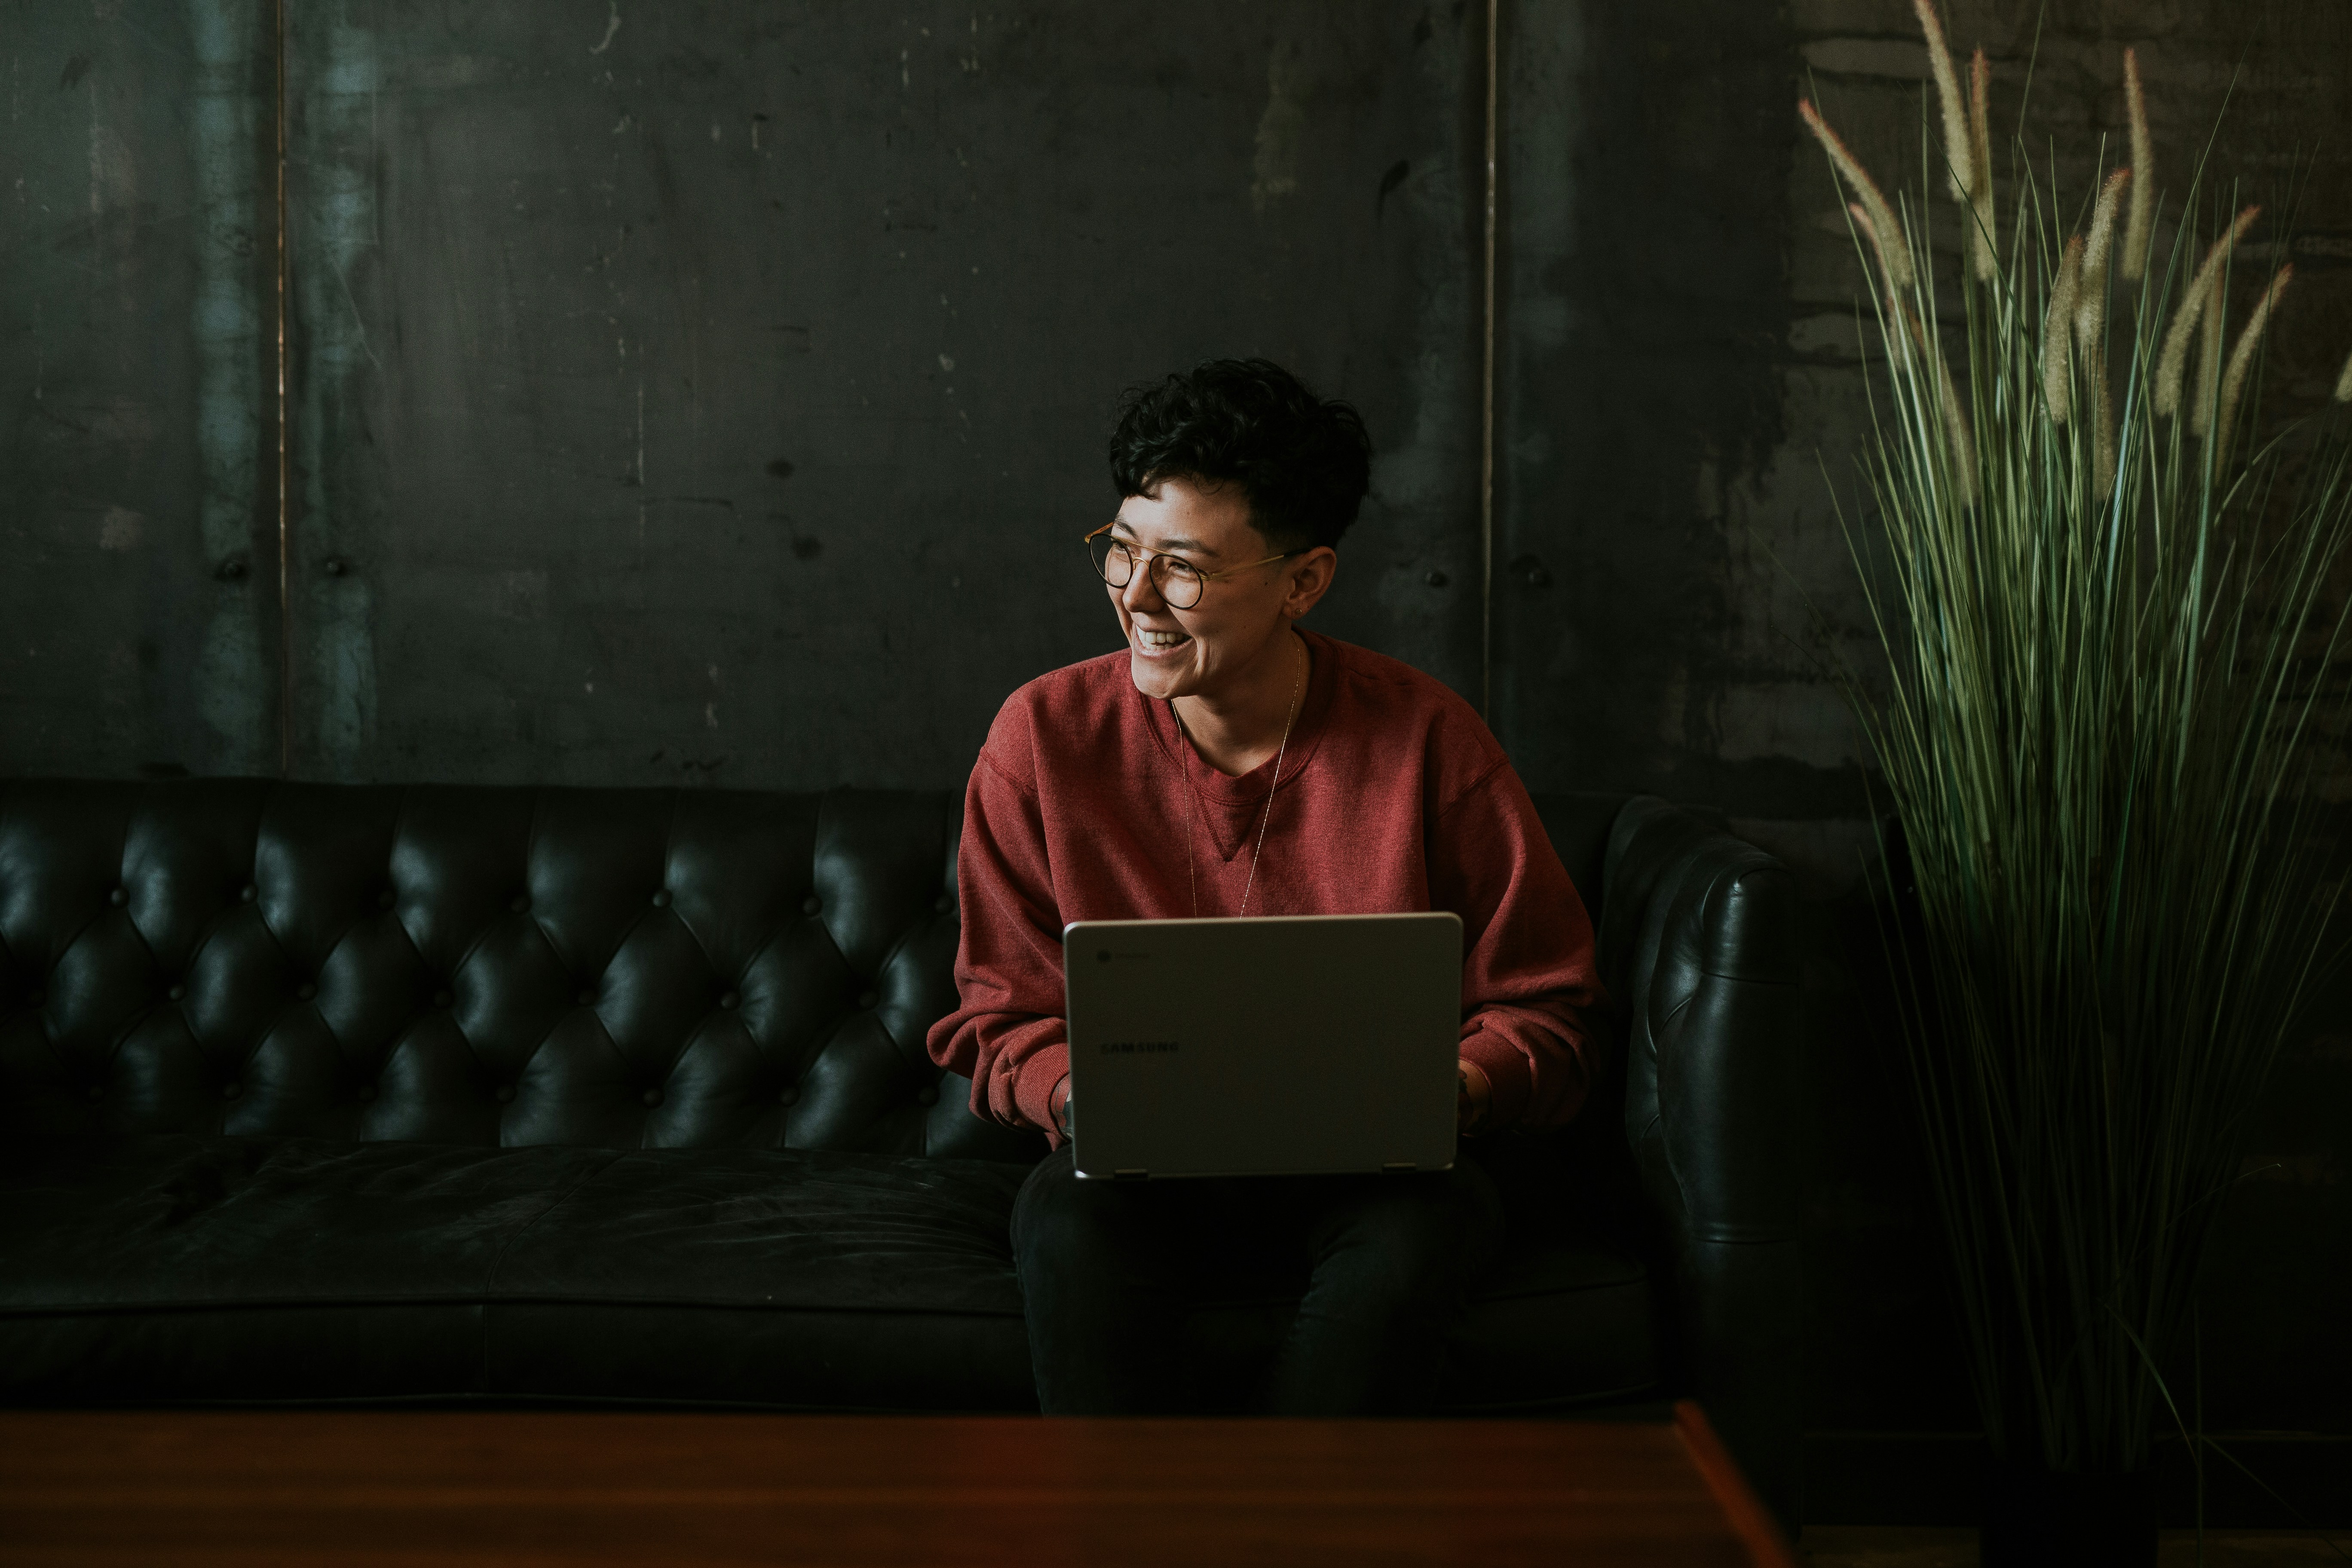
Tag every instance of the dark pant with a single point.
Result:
(1109, 1271)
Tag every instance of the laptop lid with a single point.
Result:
(1275, 1045)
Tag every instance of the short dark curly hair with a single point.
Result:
(1303, 462)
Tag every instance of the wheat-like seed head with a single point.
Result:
(2209, 355)
(2241, 358)
(2103, 476)
(2172, 363)
(2343, 382)
(2091, 298)
(1981, 231)
(2057, 334)
(1956, 429)
(1894, 251)
(1861, 216)
(2142, 225)
(1957, 141)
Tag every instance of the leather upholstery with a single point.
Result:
(212, 1268)
(316, 1091)
(597, 968)
(1700, 943)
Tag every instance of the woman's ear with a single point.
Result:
(1310, 579)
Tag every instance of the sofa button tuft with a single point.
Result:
(661, 899)
(248, 892)
(504, 1094)
(652, 1098)
(94, 1093)
(367, 1093)
(176, 992)
(812, 904)
(587, 997)
(36, 998)
(868, 999)
(118, 898)
(383, 899)
(231, 1091)
(520, 903)
(442, 999)
(943, 903)
(789, 1095)
(306, 991)
(927, 1095)
(730, 1000)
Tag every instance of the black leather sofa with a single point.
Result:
(328, 1093)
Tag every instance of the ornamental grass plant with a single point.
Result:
(2108, 596)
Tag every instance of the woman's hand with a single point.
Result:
(1476, 1097)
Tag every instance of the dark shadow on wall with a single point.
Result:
(1645, 300)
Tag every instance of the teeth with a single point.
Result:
(1163, 639)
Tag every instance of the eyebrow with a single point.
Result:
(1195, 545)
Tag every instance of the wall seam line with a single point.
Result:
(1486, 382)
(285, 518)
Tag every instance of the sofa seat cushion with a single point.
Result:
(170, 1268)
(179, 1268)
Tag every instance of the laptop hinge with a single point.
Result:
(1128, 1175)
(1393, 1166)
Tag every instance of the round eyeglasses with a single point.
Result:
(1178, 582)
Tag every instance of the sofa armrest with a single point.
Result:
(1702, 948)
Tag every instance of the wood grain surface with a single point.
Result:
(518, 1488)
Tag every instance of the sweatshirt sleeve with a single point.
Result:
(1530, 985)
(1007, 1034)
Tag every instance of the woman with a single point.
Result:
(1226, 762)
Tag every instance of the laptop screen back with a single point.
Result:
(1279, 1044)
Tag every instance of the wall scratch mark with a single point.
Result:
(1274, 169)
(611, 27)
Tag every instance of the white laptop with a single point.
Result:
(1278, 1044)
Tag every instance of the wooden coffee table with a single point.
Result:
(448, 1487)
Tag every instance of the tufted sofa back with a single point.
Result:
(610, 968)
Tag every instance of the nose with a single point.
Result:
(1142, 591)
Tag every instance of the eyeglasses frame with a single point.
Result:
(1144, 559)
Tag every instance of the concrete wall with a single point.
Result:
(716, 392)
(139, 628)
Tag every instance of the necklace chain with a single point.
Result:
(1184, 759)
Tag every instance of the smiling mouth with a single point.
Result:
(1159, 642)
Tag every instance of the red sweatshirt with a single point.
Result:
(1393, 798)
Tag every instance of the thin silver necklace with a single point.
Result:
(1184, 760)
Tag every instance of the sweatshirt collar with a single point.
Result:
(1305, 733)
